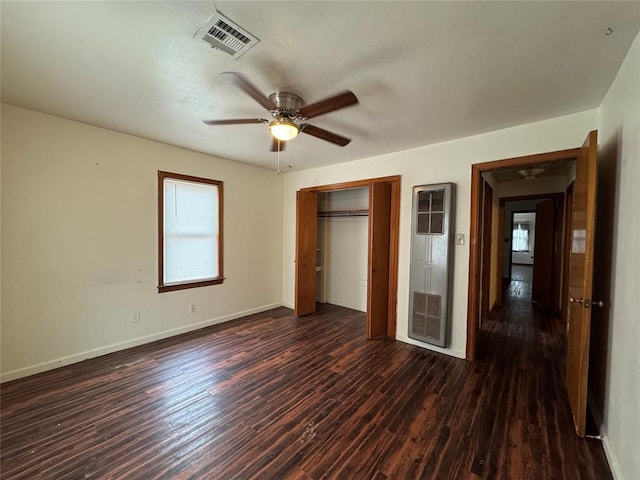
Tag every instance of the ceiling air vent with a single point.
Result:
(226, 35)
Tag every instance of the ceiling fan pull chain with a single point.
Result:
(290, 165)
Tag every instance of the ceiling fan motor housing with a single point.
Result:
(286, 103)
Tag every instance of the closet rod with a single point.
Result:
(344, 213)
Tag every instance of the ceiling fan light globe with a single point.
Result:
(283, 130)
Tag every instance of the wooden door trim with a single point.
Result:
(500, 253)
(475, 246)
(537, 196)
(335, 187)
(394, 233)
(487, 233)
(529, 160)
(394, 240)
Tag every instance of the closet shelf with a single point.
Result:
(344, 213)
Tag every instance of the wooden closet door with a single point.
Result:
(379, 243)
(306, 239)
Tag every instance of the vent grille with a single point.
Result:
(223, 34)
(426, 315)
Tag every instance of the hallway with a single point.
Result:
(526, 349)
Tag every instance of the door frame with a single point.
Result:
(487, 233)
(475, 241)
(394, 240)
(509, 242)
(511, 223)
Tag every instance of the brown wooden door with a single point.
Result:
(543, 254)
(580, 280)
(306, 239)
(487, 214)
(379, 243)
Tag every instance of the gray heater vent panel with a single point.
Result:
(431, 239)
(224, 34)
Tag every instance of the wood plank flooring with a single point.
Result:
(275, 397)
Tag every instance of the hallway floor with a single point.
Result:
(528, 347)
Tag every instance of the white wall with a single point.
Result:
(79, 242)
(352, 199)
(537, 186)
(445, 162)
(619, 172)
(346, 258)
(344, 249)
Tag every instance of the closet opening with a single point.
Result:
(347, 249)
(342, 247)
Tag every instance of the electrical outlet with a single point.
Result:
(135, 317)
(192, 308)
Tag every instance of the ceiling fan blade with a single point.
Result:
(275, 147)
(324, 134)
(250, 89)
(330, 104)
(235, 121)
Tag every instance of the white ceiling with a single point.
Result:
(424, 72)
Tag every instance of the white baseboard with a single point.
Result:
(614, 466)
(428, 346)
(79, 357)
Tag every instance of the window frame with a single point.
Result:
(170, 287)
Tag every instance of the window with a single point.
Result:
(189, 232)
(520, 237)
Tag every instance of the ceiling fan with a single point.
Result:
(286, 108)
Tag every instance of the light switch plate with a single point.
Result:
(459, 238)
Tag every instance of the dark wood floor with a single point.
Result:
(274, 397)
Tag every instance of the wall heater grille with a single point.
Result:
(431, 239)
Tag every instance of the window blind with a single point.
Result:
(191, 229)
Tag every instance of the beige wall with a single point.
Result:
(615, 361)
(345, 261)
(79, 242)
(445, 162)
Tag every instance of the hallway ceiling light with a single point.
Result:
(530, 173)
